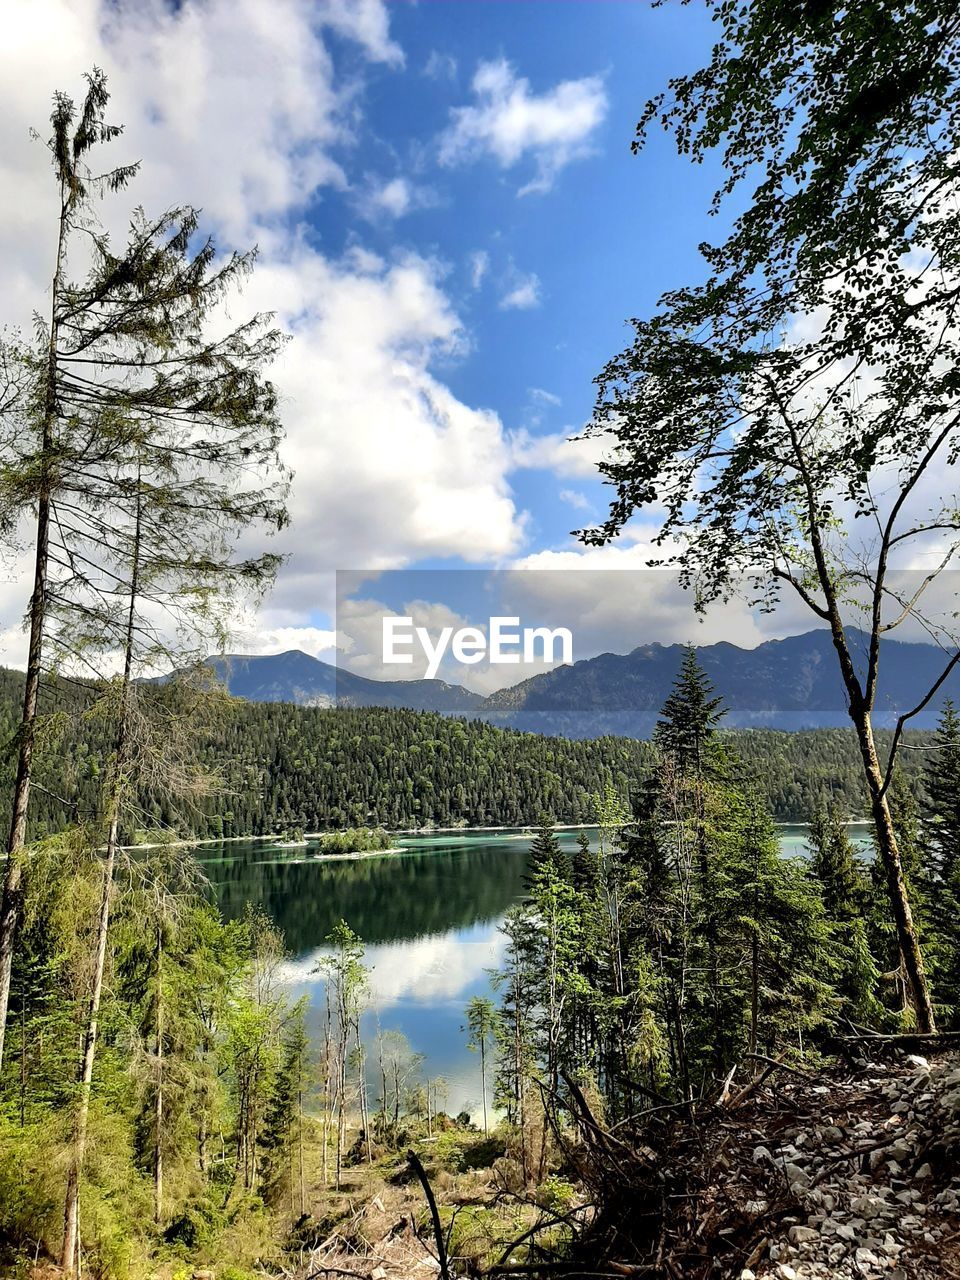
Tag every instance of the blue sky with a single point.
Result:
(605, 238)
(452, 228)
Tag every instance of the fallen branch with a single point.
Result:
(414, 1161)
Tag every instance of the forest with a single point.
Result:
(168, 1108)
(285, 768)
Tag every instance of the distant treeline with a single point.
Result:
(285, 768)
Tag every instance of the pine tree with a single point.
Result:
(153, 446)
(689, 716)
(35, 478)
(942, 783)
(845, 894)
(834, 863)
(941, 834)
(546, 858)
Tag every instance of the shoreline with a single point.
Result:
(401, 831)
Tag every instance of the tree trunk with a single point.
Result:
(300, 1179)
(13, 878)
(362, 1094)
(483, 1078)
(158, 1102)
(71, 1206)
(893, 871)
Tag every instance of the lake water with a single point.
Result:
(429, 917)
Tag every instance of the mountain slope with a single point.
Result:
(297, 677)
(781, 684)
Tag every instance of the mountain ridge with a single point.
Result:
(788, 683)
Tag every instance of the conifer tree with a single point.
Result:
(941, 834)
(153, 443)
(689, 715)
(520, 981)
(942, 782)
(834, 864)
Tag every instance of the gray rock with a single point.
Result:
(802, 1235)
(796, 1176)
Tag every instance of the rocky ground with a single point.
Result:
(875, 1174)
(834, 1174)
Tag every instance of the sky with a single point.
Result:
(451, 227)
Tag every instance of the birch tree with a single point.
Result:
(791, 422)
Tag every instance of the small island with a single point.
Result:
(354, 840)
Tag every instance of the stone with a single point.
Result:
(796, 1176)
(802, 1235)
(923, 1172)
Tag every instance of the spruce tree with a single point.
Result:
(153, 444)
(689, 716)
(942, 783)
(834, 863)
(941, 834)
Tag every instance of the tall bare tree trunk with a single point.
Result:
(158, 1100)
(362, 1092)
(72, 1203)
(13, 877)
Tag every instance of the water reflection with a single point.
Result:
(429, 916)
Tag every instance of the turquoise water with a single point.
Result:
(429, 916)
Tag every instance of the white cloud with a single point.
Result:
(319, 642)
(557, 452)
(510, 122)
(427, 970)
(391, 465)
(575, 498)
(394, 199)
(545, 397)
(479, 266)
(240, 109)
(440, 66)
(522, 295)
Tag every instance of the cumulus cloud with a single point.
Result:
(243, 110)
(510, 122)
(391, 465)
(565, 455)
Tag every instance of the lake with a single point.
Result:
(429, 917)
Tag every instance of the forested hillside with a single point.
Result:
(283, 766)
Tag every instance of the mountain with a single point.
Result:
(781, 684)
(297, 677)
